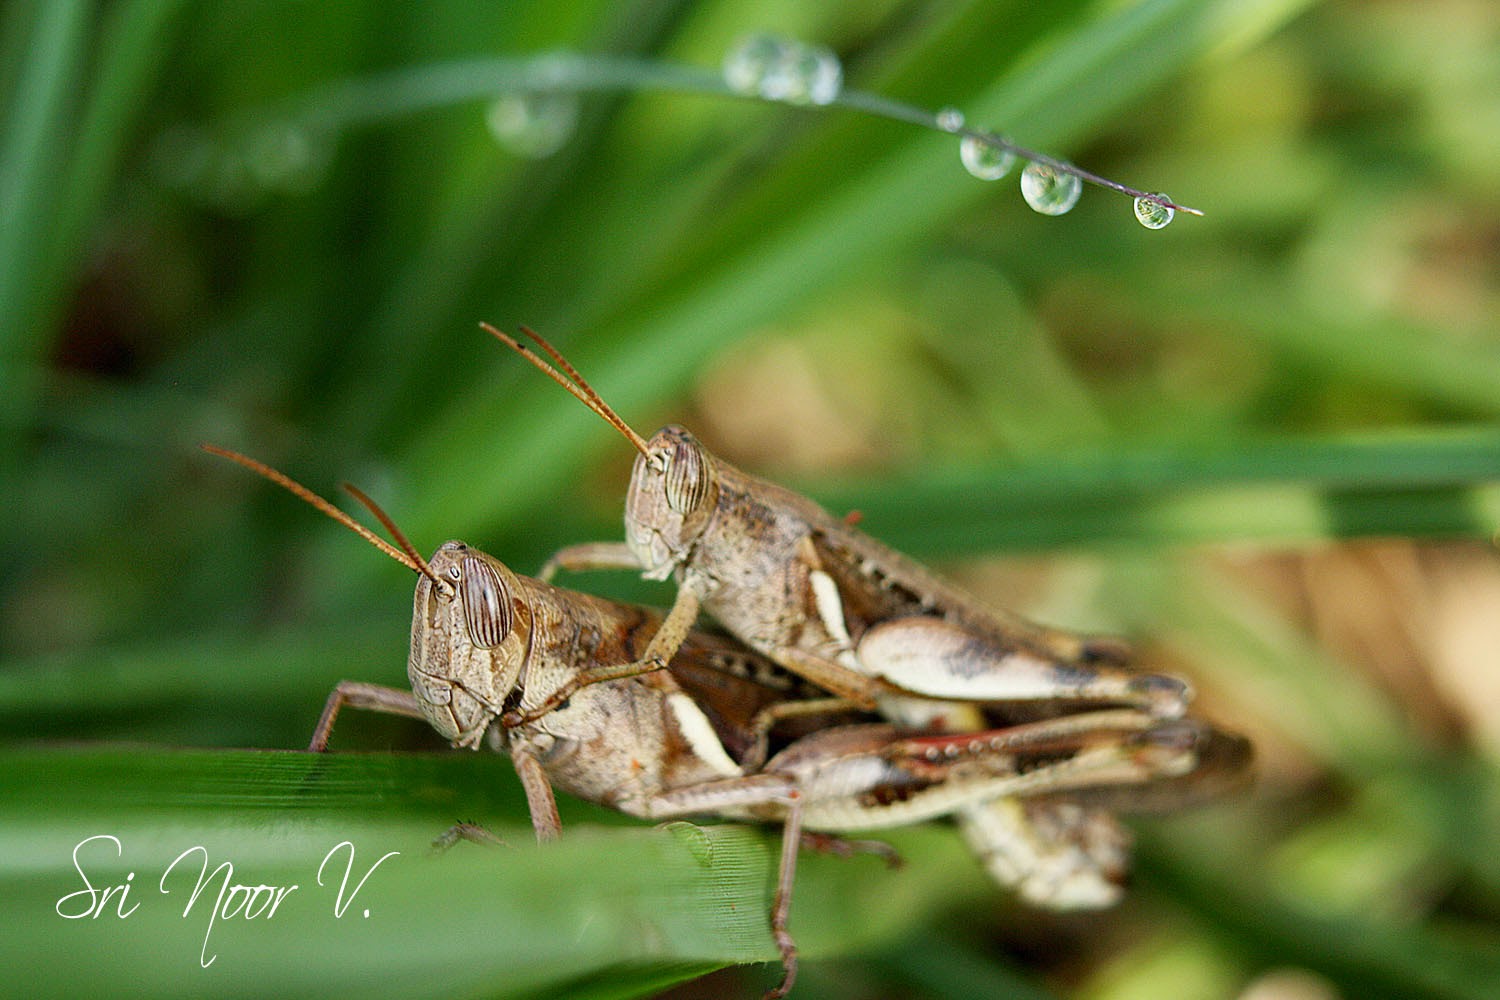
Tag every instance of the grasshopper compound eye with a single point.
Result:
(487, 603)
(687, 474)
(673, 490)
(485, 597)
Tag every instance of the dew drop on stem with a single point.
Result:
(985, 160)
(1153, 212)
(534, 125)
(286, 156)
(747, 64)
(1048, 190)
(781, 69)
(950, 119)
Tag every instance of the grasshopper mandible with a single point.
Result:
(829, 602)
(492, 653)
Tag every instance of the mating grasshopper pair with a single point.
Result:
(867, 694)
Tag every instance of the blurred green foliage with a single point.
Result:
(831, 300)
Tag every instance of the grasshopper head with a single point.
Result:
(470, 623)
(470, 629)
(674, 487)
(673, 491)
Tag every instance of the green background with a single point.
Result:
(1186, 436)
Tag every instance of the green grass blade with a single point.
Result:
(615, 907)
(34, 140)
(1438, 482)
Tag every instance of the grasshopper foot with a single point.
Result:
(827, 843)
(472, 832)
(788, 966)
(1164, 697)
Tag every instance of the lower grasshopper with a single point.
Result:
(552, 676)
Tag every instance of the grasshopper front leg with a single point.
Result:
(669, 637)
(371, 697)
(587, 556)
(539, 796)
(836, 678)
(845, 686)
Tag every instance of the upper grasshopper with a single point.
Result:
(554, 677)
(829, 602)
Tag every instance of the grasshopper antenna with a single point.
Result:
(573, 382)
(396, 533)
(406, 555)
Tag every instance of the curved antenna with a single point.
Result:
(573, 382)
(396, 533)
(407, 558)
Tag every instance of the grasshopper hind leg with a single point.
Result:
(945, 659)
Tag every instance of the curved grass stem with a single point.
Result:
(372, 99)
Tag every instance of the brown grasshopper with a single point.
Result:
(552, 676)
(829, 602)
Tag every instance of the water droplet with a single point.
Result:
(1152, 213)
(984, 160)
(285, 156)
(781, 69)
(533, 125)
(747, 64)
(819, 74)
(950, 119)
(235, 169)
(1049, 190)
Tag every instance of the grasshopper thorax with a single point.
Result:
(673, 491)
(470, 630)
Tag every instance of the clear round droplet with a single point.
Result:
(533, 125)
(983, 160)
(950, 119)
(780, 69)
(1152, 212)
(1049, 190)
(819, 75)
(746, 65)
